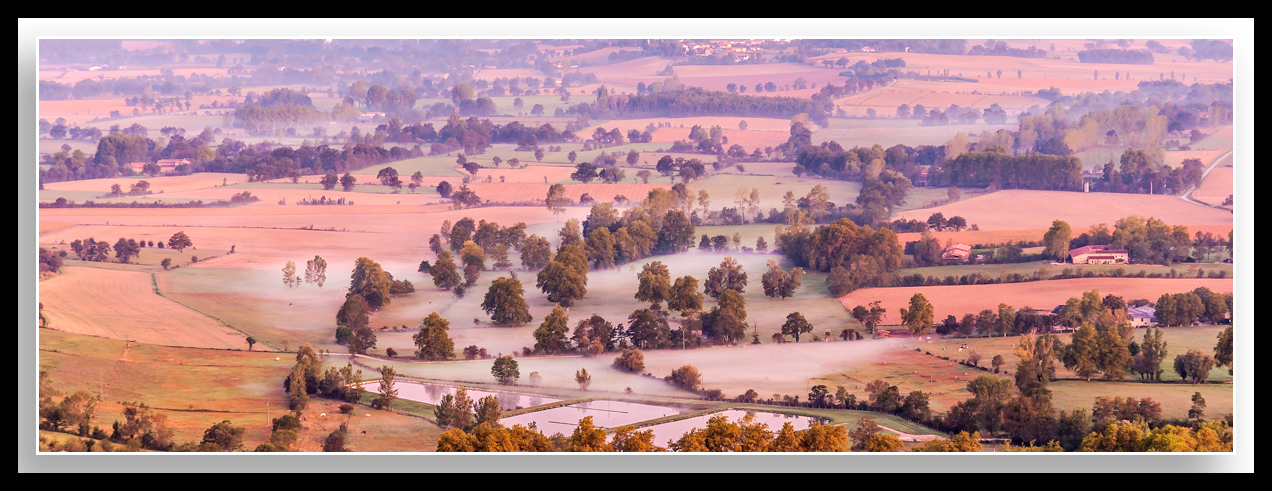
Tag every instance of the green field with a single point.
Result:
(1029, 268)
(920, 197)
(54, 146)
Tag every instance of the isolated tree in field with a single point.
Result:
(552, 335)
(655, 284)
(997, 362)
(180, 241)
(289, 275)
(316, 271)
(556, 199)
(370, 281)
(583, 378)
(536, 252)
(1198, 409)
(445, 190)
(329, 181)
(686, 377)
(444, 272)
(919, 316)
(1056, 240)
(505, 302)
(347, 182)
(1195, 365)
(505, 370)
(728, 276)
(778, 283)
(432, 342)
(795, 325)
(630, 360)
(166, 263)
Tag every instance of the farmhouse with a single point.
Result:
(867, 49)
(957, 252)
(1142, 316)
(165, 165)
(1099, 254)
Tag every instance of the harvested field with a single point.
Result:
(47, 226)
(268, 237)
(197, 388)
(172, 184)
(123, 305)
(1027, 209)
(517, 193)
(959, 300)
(82, 111)
(1216, 188)
(1176, 157)
(293, 193)
(72, 76)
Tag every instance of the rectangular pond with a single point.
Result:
(432, 394)
(675, 429)
(605, 414)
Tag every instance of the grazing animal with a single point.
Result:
(364, 432)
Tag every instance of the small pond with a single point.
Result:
(605, 414)
(432, 394)
(675, 429)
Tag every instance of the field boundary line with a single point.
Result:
(155, 283)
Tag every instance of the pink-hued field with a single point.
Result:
(1216, 188)
(965, 299)
(168, 184)
(123, 305)
(1027, 209)
(85, 110)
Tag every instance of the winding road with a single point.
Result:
(1187, 196)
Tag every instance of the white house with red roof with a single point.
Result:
(957, 252)
(1099, 254)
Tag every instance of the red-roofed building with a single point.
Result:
(957, 252)
(1099, 254)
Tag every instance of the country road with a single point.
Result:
(1187, 196)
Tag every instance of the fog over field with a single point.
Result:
(219, 179)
